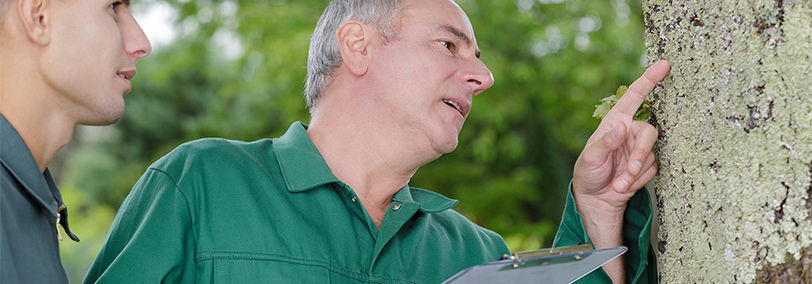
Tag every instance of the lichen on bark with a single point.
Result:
(735, 148)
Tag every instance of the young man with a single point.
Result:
(389, 86)
(62, 63)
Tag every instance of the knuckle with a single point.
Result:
(651, 129)
(650, 77)
(651, 159)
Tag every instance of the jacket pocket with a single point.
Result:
(260, 269)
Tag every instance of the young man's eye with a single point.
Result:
(115, 4)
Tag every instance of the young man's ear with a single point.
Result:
(35, 18)
(354, 40)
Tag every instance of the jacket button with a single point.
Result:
(396, 207)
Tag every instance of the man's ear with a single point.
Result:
(354, 39)
(36, 19)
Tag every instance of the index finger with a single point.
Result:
(634, 96)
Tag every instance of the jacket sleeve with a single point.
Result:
(152, 238)
(641, 262)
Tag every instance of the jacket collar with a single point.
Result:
(303, 169)
(18, 160)
(429, 202)
(300, 161)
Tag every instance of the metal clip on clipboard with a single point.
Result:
(551, 265)
(519, 258)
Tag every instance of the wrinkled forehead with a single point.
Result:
(438, 13)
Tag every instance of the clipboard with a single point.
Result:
(551, 265)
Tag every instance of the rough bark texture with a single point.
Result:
(735, 149)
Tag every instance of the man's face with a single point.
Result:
(91, 57)
(429, 75)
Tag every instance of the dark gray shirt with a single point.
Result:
(29, 202)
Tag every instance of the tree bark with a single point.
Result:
(735, 148)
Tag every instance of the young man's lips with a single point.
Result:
(129, 74)
(125, 77)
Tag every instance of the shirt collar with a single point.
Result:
(302, 165)
(303, 168)
(18, 160)
(429, 202)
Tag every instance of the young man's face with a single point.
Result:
(91, 57)
(431, 72)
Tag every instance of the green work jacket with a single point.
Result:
(640, 261)
(271, 211)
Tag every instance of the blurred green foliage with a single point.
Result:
(236, 69)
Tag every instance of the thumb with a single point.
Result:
(603, 147)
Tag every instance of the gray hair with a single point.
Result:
(324, 57)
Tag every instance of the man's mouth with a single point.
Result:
(454, 105)
(127, 75)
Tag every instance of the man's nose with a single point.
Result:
(136, 42)
(477, 76)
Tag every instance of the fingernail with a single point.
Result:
(663, 61)
(621, 184)
(636, 165)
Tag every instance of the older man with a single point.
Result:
(389, 86)
(62, 63)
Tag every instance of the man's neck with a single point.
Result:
(42, 125)
(372, 164)
(44, 137)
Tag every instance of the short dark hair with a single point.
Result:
(3, 8)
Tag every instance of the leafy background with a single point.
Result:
(236, 69)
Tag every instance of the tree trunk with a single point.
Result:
(735, 148)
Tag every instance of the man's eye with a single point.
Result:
(447, 44)
(115, 4)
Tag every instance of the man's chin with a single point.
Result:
(105, 117)
(98, 123)
(447, 147)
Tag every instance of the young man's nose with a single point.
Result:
(136, 42)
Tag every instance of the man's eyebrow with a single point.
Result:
(126, 2)
(460, 35)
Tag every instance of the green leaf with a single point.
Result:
(607, 103)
